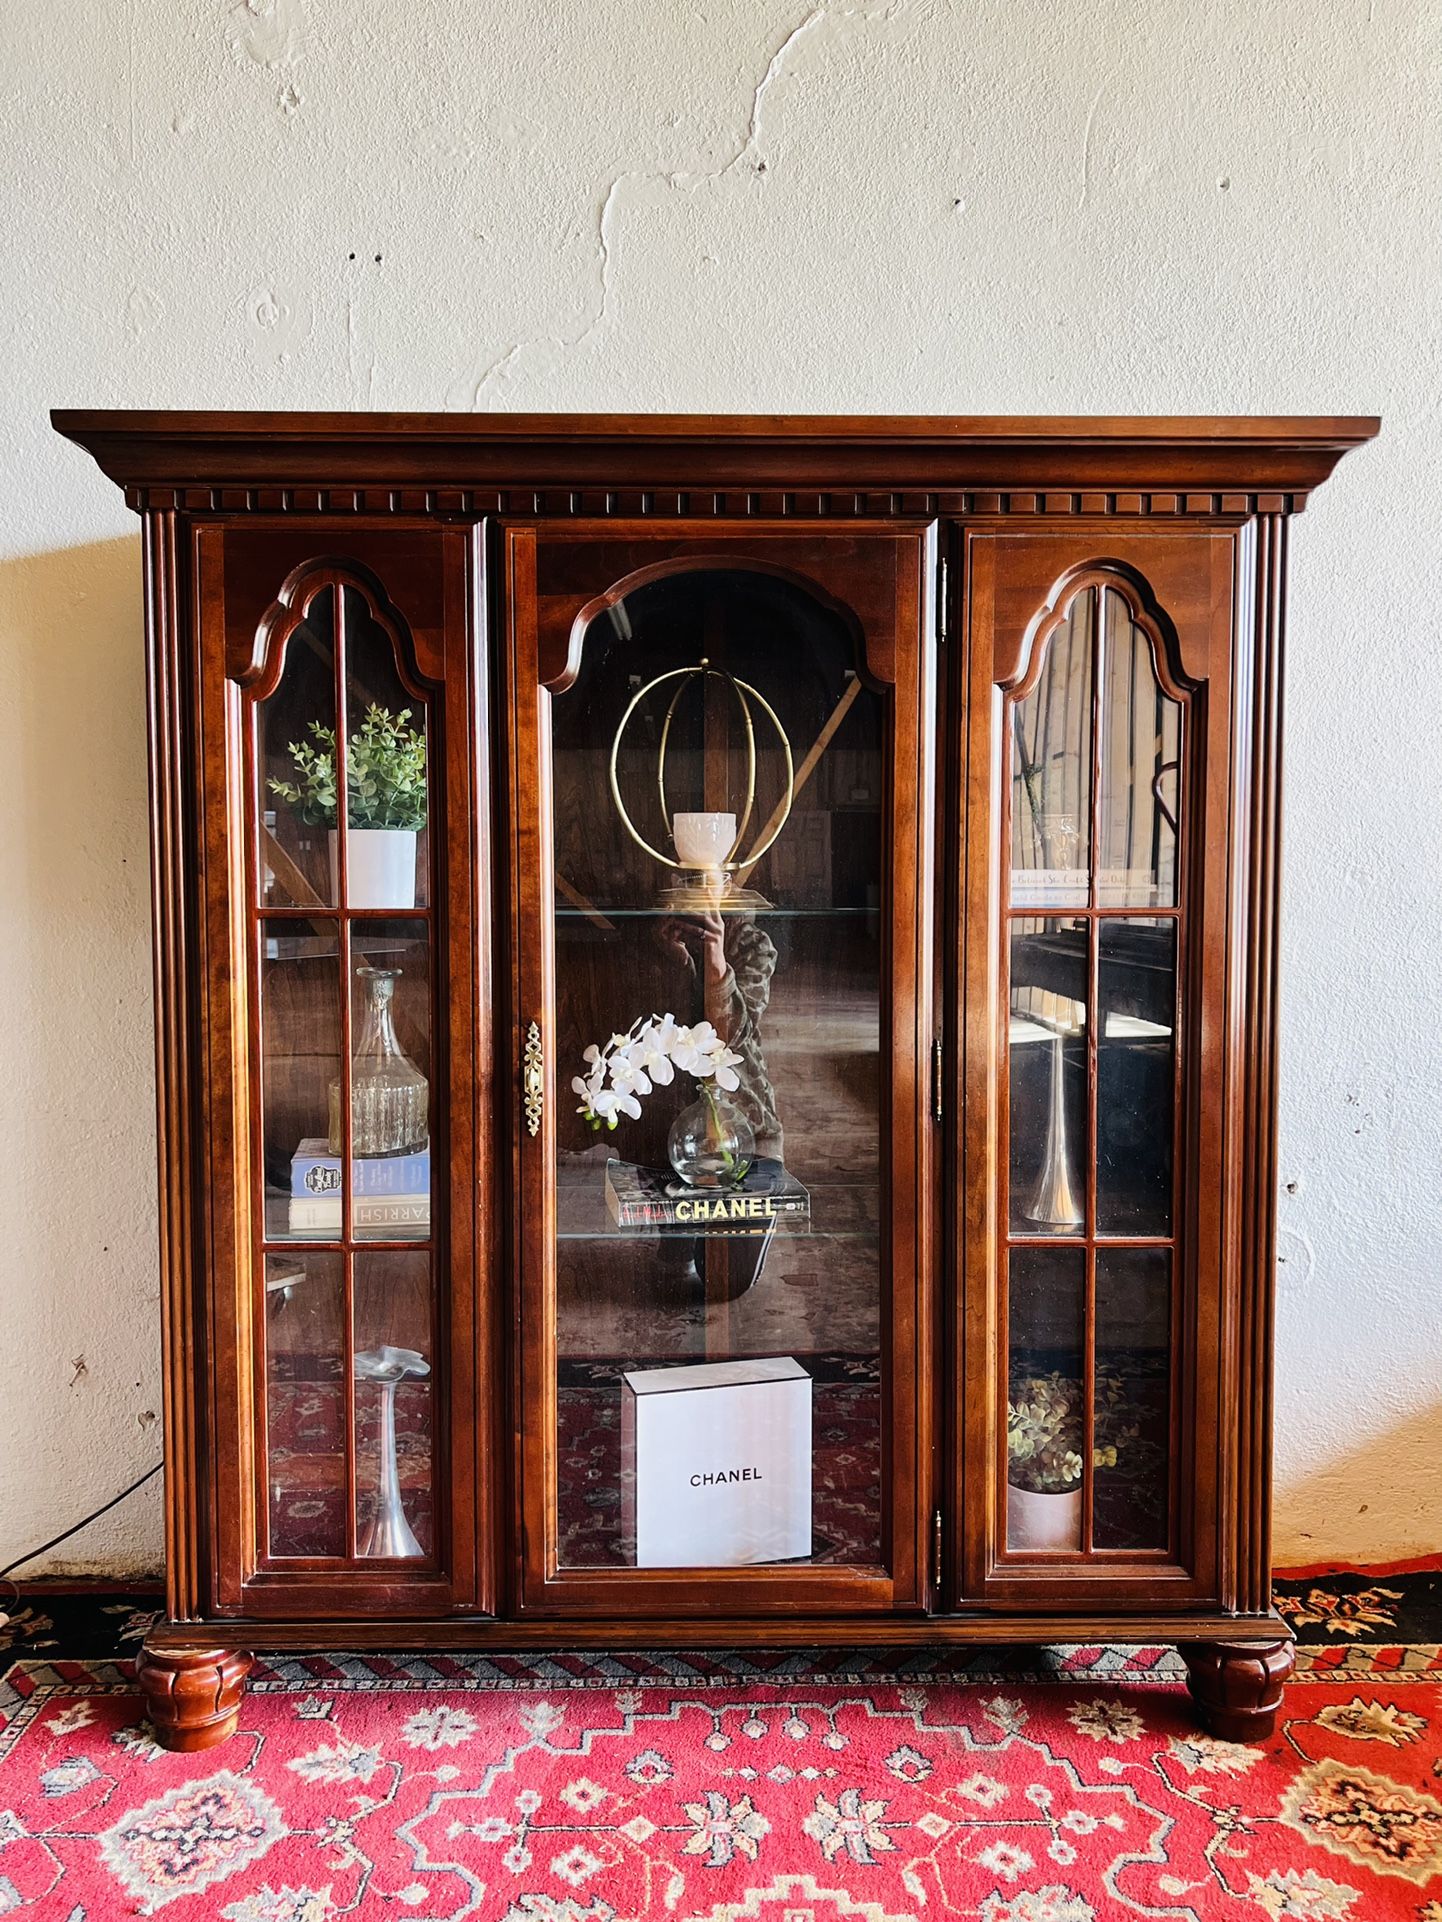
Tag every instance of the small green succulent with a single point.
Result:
(385, 770)
(1044, 1431)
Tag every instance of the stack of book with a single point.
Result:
(655, 1198)
(390, 1194)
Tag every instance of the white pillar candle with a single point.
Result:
(703, 840)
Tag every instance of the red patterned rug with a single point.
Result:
(605, 1789)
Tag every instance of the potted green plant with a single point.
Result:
(385, 803)
(1044, 1444)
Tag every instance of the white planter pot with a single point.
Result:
(1042, 1521)
(380, 867)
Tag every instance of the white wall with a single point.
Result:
(1009, 206)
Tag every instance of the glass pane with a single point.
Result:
(394, 1353)
(300, 1040)
(1044, 1416)
(731, 1227)
(386, 782)
(1136, 1092)
(1133, 1397)
(1140, 769)
(390, 1082)
(1051, 771)
(1048, 1055)
(295, 764)
(305, 1402)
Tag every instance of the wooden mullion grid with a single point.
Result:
(1090, 1243)
(339, 916)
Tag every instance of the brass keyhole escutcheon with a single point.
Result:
(533, 1079)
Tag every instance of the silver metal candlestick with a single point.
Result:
(1052, 1203)
(390, 1535)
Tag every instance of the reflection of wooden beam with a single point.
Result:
(287, 874)
(716, 715)
(578, 900)
(324, 651)
(808, 767)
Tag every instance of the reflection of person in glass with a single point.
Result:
(734, 960)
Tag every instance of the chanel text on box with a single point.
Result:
(716, 1463)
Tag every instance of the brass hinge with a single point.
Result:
(936, 1079)
(943, 601)
(533, 1079)
(936, 1551)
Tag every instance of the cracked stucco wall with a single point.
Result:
(1008, 205)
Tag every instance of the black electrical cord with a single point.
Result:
(65, 1534)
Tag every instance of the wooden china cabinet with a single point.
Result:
(876, 820)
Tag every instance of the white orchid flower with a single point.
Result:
(627, 1076)
(650, 1051)
(691, 1048)
(647, 1057)
(609, 1106)
(723, 1068)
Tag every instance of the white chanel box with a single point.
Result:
(716, 1463)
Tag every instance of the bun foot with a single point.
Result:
(192, 1695)
(1237, 1686)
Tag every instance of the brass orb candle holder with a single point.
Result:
(708, 843)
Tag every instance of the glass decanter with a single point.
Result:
(390, 1097)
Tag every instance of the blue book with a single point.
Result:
(316, 1172)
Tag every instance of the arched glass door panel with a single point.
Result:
(717, 807)
(1096, 747)
(720, 758)
(344, 965)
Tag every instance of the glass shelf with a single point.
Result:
(1118, 1027)
(572, 913)
(316, 947)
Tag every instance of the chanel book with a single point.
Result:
(655, 1198)
(716, 1463)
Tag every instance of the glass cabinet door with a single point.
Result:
(1092, 1009)
(1092, 1021)
(347, 1255)
(719, 760)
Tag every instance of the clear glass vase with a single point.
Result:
(390, 1097)
(711, 1144)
